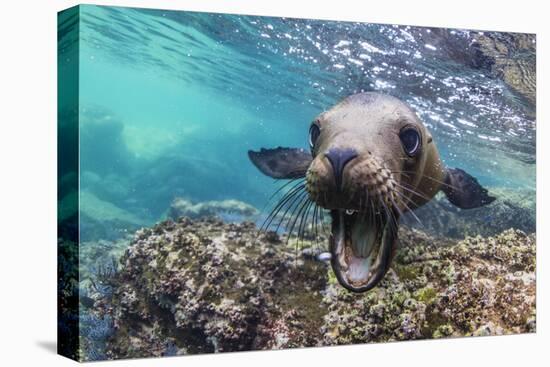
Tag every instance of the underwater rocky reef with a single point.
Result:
(190, 286)
(181, 207)
(510, 57)
(514, 208)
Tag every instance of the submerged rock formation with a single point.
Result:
(100, 219)
(512, 209)
(478, 286)
(181, 207)
(510, 57)
(202, 286)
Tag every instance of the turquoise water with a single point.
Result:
(170, 102)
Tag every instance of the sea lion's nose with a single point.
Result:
(338, 158)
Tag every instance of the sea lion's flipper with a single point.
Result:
(281, 162)
(464, 191)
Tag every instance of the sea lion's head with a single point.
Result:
(371, 160)
(368, 154)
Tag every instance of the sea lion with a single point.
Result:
(371, 159)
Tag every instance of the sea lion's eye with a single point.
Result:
(314, 132)
(410, 138)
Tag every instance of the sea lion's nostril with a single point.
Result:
(338, 158)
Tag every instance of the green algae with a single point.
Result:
(426, 295)
(407, 272)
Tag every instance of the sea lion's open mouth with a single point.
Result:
(361, 245)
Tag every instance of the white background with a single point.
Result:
(28, 181)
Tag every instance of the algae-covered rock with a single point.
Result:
(511, 57)
(478, 286)
(512, 209)
(197, 286)
(207, 286)
(101, 219)
(181, 207)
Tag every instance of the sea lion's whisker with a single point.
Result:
(402, 196)
(412, 213)
(297, 173)
(402, 173)
(303, 222)
(402, 199)
(322, 220)
(304, 200)
(314, 226)
(441, 182)
(297, 199)
(406, 173)
(414, 192)
(267, 203)
(396, 206)
(293, 180)
(389, 215)
(325, 224)
(293, 211)
(273, 214)
(296, 184)
(430, 178)
(282, 202)
(318, 236)
(302, 205)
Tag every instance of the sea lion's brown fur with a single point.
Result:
(369, 123)
(363, 170)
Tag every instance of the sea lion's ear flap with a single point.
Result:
(283, 163)
(429, 138)
(464, 191)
